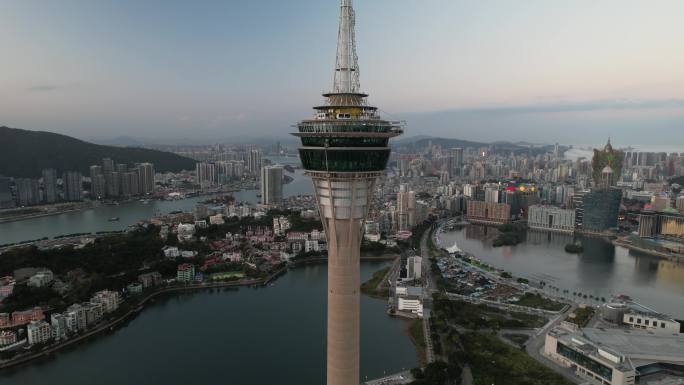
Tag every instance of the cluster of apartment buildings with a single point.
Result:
(108, 180)
(75, 319)
(111, 180)
(227, 165)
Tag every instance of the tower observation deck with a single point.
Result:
(345, 147)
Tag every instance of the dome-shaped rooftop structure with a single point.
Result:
(608, 147)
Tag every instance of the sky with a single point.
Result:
(169, 71)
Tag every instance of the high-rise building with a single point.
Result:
(254, 161)
(49, 185)
(6, 200)
(97, 186)
(146, 178)
(456, 162)
(604, 160)
(271, 185)
(578, 206)
(73, 185)
(95, 170)
(344, 149)
(679, 203)
(129, 183)
(206, 174)
(97, 182)
(28, 191)
(493, 195)
(600, 210)
(406, 208)
(107, 165)
(112, 184)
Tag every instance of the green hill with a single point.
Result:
(413, 144)
(25, 153)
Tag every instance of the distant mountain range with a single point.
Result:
(25, 153)
(418, 142)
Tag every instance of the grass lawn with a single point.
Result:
(370, 287)
(495, 362)
(476, 317)
(519, 339)
(539, 302)
(418, 338)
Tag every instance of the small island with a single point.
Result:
(574, 248)
(508, 236)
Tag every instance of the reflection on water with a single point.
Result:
(542, 237)
(602, 269)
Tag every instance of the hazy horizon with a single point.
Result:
(538, 71)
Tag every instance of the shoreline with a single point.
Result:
(654, 253)
(24, 217)
(131, 314)
(88, 205)
(606, 237)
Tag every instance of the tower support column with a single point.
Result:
(343, 200)
(344, 306)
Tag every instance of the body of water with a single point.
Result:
(97, 219)
(250, 336)
(601, 270)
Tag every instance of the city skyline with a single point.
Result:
(537, 72)
(528, 229)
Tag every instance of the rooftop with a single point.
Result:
(638, 347)
(639, 343)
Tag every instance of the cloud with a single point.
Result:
(574, 106)
(42, 88)
(633, 121)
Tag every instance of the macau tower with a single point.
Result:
(344, 149)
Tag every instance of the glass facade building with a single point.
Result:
(585, 361)
(600, 209)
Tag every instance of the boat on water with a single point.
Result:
(114, 219)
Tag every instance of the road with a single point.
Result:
(504, 306)
(400, 378)
(466, 376)
(535, 346)
(429, 284)
(429, 287)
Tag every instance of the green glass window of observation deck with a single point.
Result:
(344, 160)
(381, 126)
(344, 142)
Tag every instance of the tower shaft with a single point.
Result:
(343, 202)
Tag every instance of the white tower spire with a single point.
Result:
(347, 64)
